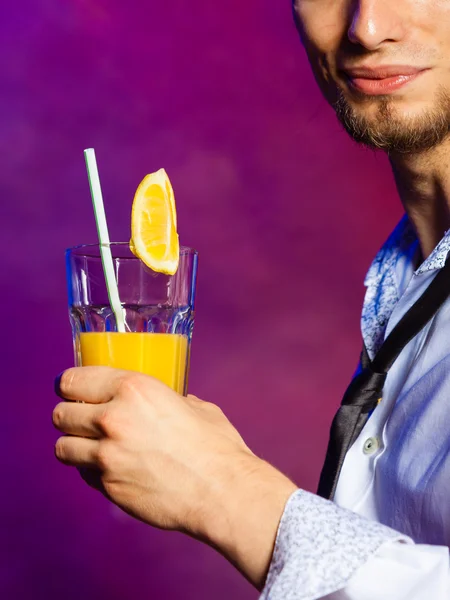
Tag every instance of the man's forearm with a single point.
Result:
(245, 513)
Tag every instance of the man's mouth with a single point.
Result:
(382, 80)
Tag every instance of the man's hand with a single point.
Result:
(173, 462)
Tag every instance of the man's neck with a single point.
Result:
(423, 183)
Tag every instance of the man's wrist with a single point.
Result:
(246, 510)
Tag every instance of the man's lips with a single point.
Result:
(380, 80)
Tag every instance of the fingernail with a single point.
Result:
(58, 384)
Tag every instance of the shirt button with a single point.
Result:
(371, 446)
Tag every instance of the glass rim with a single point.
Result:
(184, 250)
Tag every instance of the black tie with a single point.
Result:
(365, 391)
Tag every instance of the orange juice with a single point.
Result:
(161, 355)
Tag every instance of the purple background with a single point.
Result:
(285, 211)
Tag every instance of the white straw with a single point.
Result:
(103, 237)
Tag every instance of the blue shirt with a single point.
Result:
(386, 535)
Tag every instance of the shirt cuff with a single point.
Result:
(319, 547)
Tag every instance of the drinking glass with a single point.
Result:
(158, 312)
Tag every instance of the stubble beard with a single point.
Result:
(393, 134)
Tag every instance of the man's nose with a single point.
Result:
(374, 22)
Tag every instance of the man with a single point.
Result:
(177, 463)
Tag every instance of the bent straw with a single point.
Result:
(103, 237)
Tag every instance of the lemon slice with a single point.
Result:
(154, 237)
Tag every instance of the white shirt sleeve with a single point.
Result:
(401, 572)
(324, 551)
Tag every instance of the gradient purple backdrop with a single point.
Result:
(285, 212)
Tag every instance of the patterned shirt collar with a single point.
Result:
(437, 258)
(400, 242)
(382, 291)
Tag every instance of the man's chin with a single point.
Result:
(394, 125)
